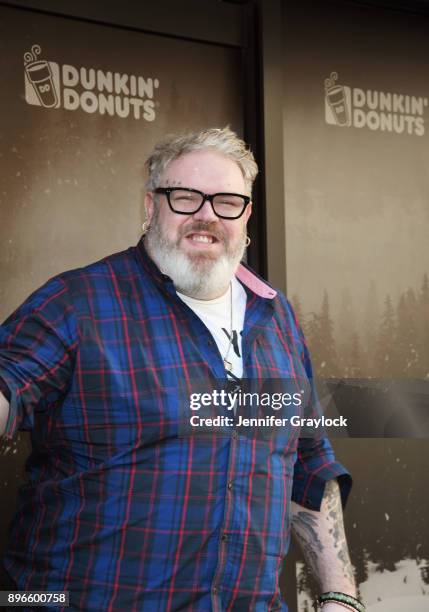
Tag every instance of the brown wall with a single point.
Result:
(71, 186)
(357, 222)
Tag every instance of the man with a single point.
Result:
(120, 510)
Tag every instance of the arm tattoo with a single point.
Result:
(304, 524)
(335, 518)
(322, 539)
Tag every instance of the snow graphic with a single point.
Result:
(399, 590)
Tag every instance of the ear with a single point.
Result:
(247, 212)
(149, 206)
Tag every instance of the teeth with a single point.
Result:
(200, 238)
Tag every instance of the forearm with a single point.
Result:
(323, 542)
(4, 412)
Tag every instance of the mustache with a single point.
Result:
(200, 226)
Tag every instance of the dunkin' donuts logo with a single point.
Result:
(91, 90)
(375, 110)
(42, 83)
(337, 102)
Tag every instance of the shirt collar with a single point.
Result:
(254, 282)
(244, 274)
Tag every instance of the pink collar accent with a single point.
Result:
(254, 283)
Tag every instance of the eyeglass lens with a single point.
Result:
(228, 205)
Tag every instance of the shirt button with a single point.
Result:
(223, 537)
(214, 590)
(229, 485)
(234, 435)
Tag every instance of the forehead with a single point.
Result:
(207, 170)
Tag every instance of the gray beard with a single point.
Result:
(200, 277)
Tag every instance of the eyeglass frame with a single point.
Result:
(206, 197)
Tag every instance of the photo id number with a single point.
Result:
(34, 598)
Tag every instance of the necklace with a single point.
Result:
(227, 364)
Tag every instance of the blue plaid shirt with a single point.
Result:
(119, 509)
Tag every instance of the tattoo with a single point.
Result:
(307, 522)
(304, 525)
(334, 514)
(310, 556)
(322, 539)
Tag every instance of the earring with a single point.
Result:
(145, 227)
(248, 241)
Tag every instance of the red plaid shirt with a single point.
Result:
(118, 508)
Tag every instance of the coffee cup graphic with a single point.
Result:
(39, 75)
(336, 99)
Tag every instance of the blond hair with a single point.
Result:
(222, 140)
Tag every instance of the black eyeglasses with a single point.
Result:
(184, 201)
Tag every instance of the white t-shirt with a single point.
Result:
(216, 316)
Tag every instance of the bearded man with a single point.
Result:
(120, 510)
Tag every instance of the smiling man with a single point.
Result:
(199, 239)
(120, 510)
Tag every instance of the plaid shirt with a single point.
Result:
(119, 509)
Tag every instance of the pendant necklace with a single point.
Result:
(227, 364)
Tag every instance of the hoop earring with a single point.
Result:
(145, 227)
(248, 241)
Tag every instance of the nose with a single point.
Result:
(206, 213)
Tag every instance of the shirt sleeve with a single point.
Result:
(315, 465)
(37, 347)
(316, 462)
